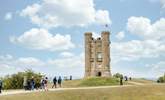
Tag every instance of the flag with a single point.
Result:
(106, 25)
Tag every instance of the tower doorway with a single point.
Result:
(99, 74)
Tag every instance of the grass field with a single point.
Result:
(97, 81)
(145, 92)
(143, 81)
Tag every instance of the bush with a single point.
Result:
(15, 81)
(118, 75)
(161, 79)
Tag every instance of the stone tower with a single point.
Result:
(97, 55)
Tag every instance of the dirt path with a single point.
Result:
(12, 92)
(136, 83)
(57, 89)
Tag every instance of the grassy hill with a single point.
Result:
(139, 81)
(142, 80)
(144, 92)
(102, 81)
(97, 81)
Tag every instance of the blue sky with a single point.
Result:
(47, 36)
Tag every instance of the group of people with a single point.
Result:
(125, 79)
(30, 84)
(55, 81)
(44, 83)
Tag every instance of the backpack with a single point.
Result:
(46, 81)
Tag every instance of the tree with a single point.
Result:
(118, 75)
(15, 81)
(161, 79)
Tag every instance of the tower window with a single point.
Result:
(99, 45)
(99, 56)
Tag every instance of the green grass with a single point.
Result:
(147, 92)
(143, 81)
(97, 81)
(139, 80)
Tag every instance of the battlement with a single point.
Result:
(88, 33)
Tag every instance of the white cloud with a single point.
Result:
(153, 34)
(142, 26)
(67, 54)
(157, 69)
(29, 61)
(10, 64)
(135, 53)
(102, 17)
(6, 57)
(41, 39)
(65, 62)
(136, 49)
(8, 16)
(54, 13)
(160, 67)
(162, 3)
(60, 66)
(120, 35)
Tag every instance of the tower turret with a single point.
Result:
(106, 53)
(88, 40)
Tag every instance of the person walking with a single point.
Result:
(121, 80)
(46, 83)
(42, 82)
(54, 82)
(126, 78)
(28, 84)
(1, 84)
(25, 84)
(59, 81)
(70, 77)
(32, 83)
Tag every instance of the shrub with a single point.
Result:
(15, 81)
(161, 79)
(118, 75)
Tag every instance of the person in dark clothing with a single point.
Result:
(1, 86)
(126, 78)
(32, 83)
(54, 82)
(46, 83)
(28, 85)
(59, 81)
(42, 82)
(70, 77)
(121, 80)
